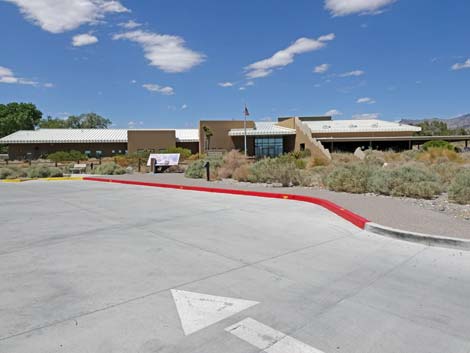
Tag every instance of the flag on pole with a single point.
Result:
(247, 113)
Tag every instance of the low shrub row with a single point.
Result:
(109, 169)
(31, 172)
(416, 174)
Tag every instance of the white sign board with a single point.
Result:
(164, 159)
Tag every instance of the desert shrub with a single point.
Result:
(311, 178)
(7, 173)
(55, 172)
(421, 190)
(446, 171)
(242, 173)
(375, 158)
(231, 162)
(109, 169)
(184, 152)
(196, 169)
(318, 162)
(196, 156)
(438, 144)
(412, 180)
(350, 178)
(39, 172)
(343, 158)
(459, 190)
(300, 163)
(275, 170)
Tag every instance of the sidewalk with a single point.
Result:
(388, 211)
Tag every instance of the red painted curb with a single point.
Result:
(355, 219)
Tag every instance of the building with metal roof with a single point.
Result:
(318, 134)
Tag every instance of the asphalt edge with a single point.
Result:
(357, 220)
(353, 218)
(421, 238)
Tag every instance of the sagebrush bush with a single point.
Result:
(459, 190)
(281, 170)
(109, 169)
(412, 180)
(196, 169)
(242, 173)
(7, 173)
(350, 178)
(232, 161)
(39, 172)
(446, 171)
(344, 158)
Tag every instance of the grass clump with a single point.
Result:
(184, 152)
(109, 169)
(459, 190)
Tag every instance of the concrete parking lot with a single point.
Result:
(96, 267)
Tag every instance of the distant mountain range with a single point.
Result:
(462, 121)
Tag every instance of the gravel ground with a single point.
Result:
(438, 217)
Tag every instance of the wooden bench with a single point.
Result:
(79, 168)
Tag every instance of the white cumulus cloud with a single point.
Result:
(130, 24)
(461, 66)
(153, 87)
(353, 73)
(367, 100)
(167, 52)
(321, 69)
(225, 84)
(7, 76)
(286, 56)
(349, 7)
(83, 39)
(58, 16)
(333, 112)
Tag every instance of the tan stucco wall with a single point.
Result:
(220, 129)
(150, 140)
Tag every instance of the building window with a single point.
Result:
(88, 153)
(99, 153)
(268, 146)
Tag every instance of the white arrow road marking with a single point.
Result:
(268, 339)
(197, 311)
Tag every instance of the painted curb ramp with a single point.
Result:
(425, 239)
(355, 219)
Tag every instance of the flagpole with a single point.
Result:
(244, 128)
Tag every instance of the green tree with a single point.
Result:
(434, 128)
(82, 121)
(18, 116)
(52, 123)
(94, 121)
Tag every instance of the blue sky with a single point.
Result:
(171, 63)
